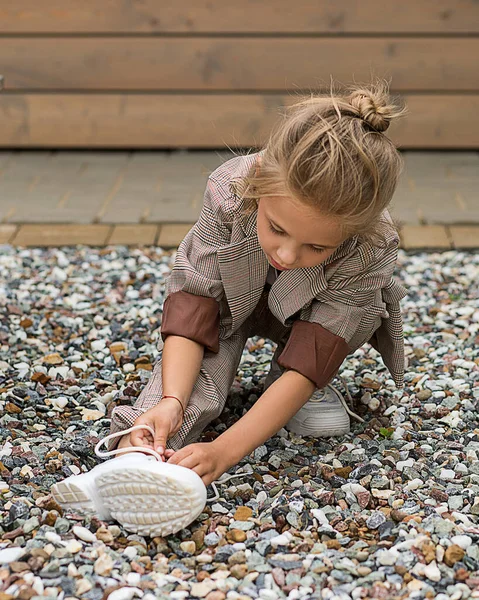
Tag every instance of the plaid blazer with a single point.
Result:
(333, 308)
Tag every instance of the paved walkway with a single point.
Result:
(64, 198)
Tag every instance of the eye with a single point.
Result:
(317, 249)
(274, 230)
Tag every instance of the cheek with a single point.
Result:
(264, 236)
(320, 258)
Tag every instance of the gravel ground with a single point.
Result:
(388, 511)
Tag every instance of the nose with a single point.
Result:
(287, 255)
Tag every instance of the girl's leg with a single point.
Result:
(208, 397)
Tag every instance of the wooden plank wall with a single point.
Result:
(205, 73)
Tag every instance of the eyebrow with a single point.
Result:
(320, 245)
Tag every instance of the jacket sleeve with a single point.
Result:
(194, 288)
(343, 317)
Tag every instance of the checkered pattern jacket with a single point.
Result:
(332, 308)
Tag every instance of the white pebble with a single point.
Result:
(97, 345)
(319, 515)
(452, 419)
(103, 565)
(432, 572)
(82, 365)
(266, 594)
(218, 508)
(8, 555)
(82, 587)
(89, 414)
(73, 546)
(447, 474)
(387, 557)
(463, 541)
(414, 484)
(59, 402)
(26, 471)
(204, 558)
(128, 367)
(84, 534)
(261, 497)
(126, 593)
(130, 552)
(283, 539)
(61, 371)
(133, 578)
(401, 464)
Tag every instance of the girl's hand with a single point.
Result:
(203, 458)
(165, 418)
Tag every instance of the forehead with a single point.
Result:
(305, 224)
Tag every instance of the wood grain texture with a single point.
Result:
(232, 64)
(203, 16)
(205, 121)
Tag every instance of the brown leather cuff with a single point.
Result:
(314, 352)
(194, 317)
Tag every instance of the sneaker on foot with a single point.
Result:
(144, 494)
(323, 415)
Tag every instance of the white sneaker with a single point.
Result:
(143, 493)
(325, 414)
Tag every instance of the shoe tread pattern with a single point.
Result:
(72, 498)
(149, 503)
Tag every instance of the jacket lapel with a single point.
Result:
(244, 268)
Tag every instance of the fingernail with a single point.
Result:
(160, 449)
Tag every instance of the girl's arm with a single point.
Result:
(181, 364)
(269, 414)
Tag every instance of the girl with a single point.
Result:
(293, 243)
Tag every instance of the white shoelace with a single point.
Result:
(147, 450)
(344, 403)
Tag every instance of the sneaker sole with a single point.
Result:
(73, 498)
(153, 504)
(302, 431)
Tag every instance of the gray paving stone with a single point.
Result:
(5, 158)
(168, 187)
(95, 158)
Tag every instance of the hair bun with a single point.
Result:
(373, 105)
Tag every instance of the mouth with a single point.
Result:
(277, 266)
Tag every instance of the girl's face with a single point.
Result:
(295, 236)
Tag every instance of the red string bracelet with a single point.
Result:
(181, 403)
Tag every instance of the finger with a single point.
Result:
(169, 453)
(190, 462)
(179, 455)
(136, 438)
(161, 437)
(140, 437)
(200, 470)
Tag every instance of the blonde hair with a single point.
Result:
(330, 153)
